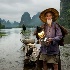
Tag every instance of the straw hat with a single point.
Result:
(52, 10)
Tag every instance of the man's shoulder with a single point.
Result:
(56, 24)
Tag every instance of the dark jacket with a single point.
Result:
(55, 33)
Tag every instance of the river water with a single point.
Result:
(11, 54)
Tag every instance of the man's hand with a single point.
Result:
(49, 39)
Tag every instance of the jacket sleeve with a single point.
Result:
(58, 34)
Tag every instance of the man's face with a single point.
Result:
(48, 16)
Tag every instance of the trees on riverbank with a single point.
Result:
(2, 26)
(65, 13)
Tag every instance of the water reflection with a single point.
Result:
(10, 31)
(11, 55)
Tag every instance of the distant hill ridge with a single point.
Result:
(9, 24)
(25, 19)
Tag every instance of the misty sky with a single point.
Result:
(13, 9)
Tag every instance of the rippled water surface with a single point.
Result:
(11, 54)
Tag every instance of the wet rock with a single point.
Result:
(10, 62)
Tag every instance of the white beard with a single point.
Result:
(49, 21)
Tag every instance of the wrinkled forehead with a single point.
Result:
(48, 13)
